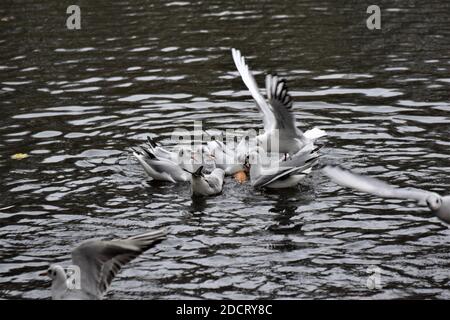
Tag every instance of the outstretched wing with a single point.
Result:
(250, 82)
(374, 186)
(281, 105)
(271, 175)
(100, 261)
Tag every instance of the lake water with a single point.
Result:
(76, 100)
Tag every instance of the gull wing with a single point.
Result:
(281, 105)
(271, 175)
(374, 186)
(100, 261)
(250, 82)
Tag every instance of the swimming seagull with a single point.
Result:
(184, 156)
(164, 165)
(160, 168)
(206, 184)
(440, 206)
(99, 262)
(281, 174)
(161, 152)
(279, 122)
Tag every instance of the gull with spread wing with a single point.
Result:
(99, 262)
(439, 205)
(280, 131)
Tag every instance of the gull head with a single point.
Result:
(243, 160)
(54, 272)
(434, 202)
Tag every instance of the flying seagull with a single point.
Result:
(439, 205)
(99, 261)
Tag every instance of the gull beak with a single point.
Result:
(246, 165)
(44, 274)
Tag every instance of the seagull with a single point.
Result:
(160, 152)
(160, 168)
(439, 206)
(99, 262)
(279, 123)
(206, 185)
(281, 174)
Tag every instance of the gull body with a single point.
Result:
(161, 152)
(281, 174)
(159, 168)
(164, 165)
(439, 205)
(99, 262)
(207, 184)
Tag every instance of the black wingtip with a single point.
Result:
(152, 142)
(312, 159)
(317, 148)
(198, 172)
(280, 91)
(147, 152)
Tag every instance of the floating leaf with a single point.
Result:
(19, 156)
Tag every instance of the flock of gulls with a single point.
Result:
(205, 167)
(279, 158)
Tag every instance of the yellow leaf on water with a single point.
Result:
(19, 156)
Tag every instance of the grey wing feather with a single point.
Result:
(280, 173)
(374, 186)
(281, 103)
(164, 165)
(100, 261)
(214, 180)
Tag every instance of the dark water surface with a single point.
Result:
(76, 100)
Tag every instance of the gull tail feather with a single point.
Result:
(314, 133)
